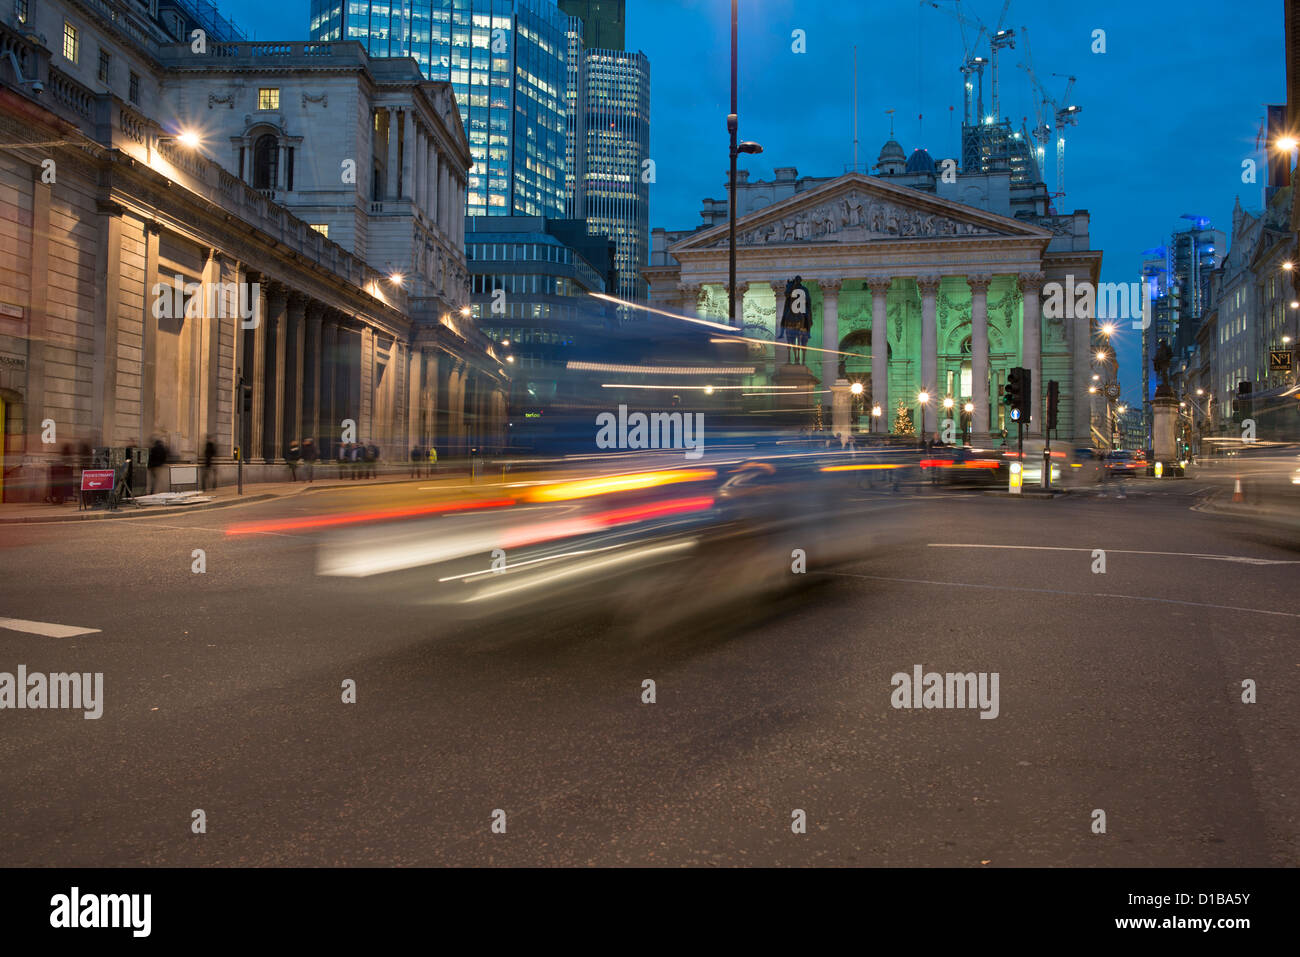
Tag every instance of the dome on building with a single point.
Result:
(891, 152)
(920, 162)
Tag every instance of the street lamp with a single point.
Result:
(875, 416)
(733, 123)
(923, 398)
(856, 388)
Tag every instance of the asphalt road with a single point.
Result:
(1119, 691)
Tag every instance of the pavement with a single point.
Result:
(1121, 691)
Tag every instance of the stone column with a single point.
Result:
(297, 363)
(879, 286)
(421, 168)
(1081, 377)
(408, 154)
(690, 296)
(444, 203)
(278, 300)
(1031, 286)
(742, 287)
(929, 286)
(979, 353)
(830, 329)
(329, 418)
(311, 384)
(394, 154)
(257, 379)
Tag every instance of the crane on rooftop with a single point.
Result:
(972, 63)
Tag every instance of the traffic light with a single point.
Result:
(1053, 402)
(1242, 406)
(1018, 392)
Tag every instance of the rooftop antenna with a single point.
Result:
(855, 108)
(890, 114)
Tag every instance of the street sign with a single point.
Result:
(97, 480)
(1279, 360)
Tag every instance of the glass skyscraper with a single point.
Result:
(608, 99)
(505, 60)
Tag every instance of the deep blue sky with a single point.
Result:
(1169, 111)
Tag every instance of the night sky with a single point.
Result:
(1169, 111)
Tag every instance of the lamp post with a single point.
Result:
(923, 398)
(733, 124)
(875, 417)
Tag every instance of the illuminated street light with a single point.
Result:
(948, 403)
(1288, 266)
(1108, 329)
(1286, 144)
(189, 139)
(1101, 356)
(464, 311)
(856, 388)
(1092, 389)
(923, 398)
(396, 278)
(968, 407)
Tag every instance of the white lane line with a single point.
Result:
(48, 629)
(1241, 559)
(1080, 594)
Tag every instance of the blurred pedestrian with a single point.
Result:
(433, 460)
(342, 458)
(309, 456)
(416, 461)
(208, 477)
(354, 459)
(157, 461)
(293, 457)
(372, 458)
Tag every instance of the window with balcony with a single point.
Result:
(268, 98)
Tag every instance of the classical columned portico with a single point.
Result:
(830, 330)
(1031, 286)
(879, 286)
(297, 361)
(278, 320)
(979, 352)
(742, 287)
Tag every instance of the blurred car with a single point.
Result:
(1120, 462)
(1086, 466)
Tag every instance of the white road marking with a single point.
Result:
(1241, 559)
(48, 629)
(1080, 594)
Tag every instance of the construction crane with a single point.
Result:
(1065, 116)
(972, 64)
(1042, 132)
(1000, 38)
(1062, 112)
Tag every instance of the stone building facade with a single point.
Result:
(912, 292)
(337, 291)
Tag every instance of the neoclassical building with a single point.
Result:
(912, 289)
(305, 200)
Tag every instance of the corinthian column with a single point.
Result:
(1031, 285)
(879, 286)
(830, 329)
(929, 286)
(979, 352)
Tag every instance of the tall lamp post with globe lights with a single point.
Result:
(733, 124)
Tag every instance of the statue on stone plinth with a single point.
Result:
(1160, 363)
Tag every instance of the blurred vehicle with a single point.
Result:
(1120, 462)
(653, 547)
(1086, 466)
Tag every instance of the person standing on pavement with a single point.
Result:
(157, 460)
(293, 456)
(416, 456)
(433, 460)
(309, 457)
(208, 478)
